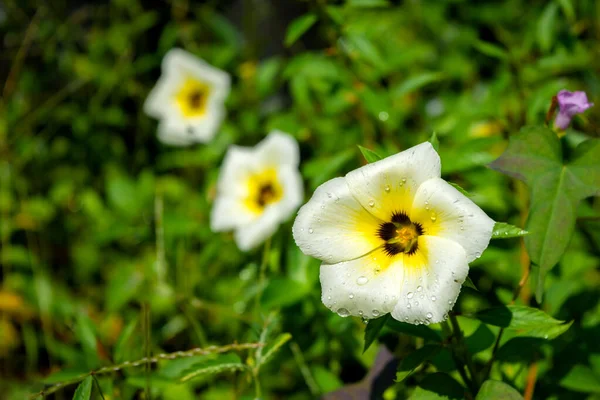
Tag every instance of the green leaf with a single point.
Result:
(412, 361)
(87, 337)
(282, 292)
(368, 3)
(298, 27)
(469, 283)
(369, 155)
(326, 380)
(502, 230)
(84, 390)
(581, 379)
(223, 363)
(434, 141)
(494, 390)
(416, 82)
(546, 26)
(524, 321)
(373, 328)
(534, 156)
(414, 330)
(438, 386)
(274, 346)
(491, 50)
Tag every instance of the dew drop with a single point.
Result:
(450, 302)
(371, 203)
(406, 318)
(375, 313)
(416, 303)
(433, 218)
(360, 312)
(328, 297)
(409, 295)
(433, 298)
(429, 315)
(437, 261)
(361, 280)
(408, 305)
(387, 188)
(419, 288)
(422, 296)
(403, 180)
(351, 296)
(342, 312)
(329, 195)
(310, 230)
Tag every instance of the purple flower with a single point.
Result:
(570, 103)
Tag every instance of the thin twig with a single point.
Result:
(148, 360)
(308, 378)
(531, 378)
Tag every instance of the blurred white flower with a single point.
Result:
(394, 237)
(188, 99)
(258, 189)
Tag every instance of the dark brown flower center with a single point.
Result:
(400, 235)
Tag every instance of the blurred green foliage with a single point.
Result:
(106, 250)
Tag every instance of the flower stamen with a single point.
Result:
(400, 235)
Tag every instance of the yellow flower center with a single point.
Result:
(263, 189)
(401, 235)
(192, 98)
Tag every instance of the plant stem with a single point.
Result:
(454, 352)
(466, 355)
(262, 275)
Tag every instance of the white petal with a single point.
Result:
(182, 63)
(444, 211)
(367, 287)
(279, 148)
(389, 185)
(229, 213)
(159, 102)
(432, 280)
(251, 235)
(293, 191)
(174, 133)
(333, 226)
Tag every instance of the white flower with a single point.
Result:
(258, 189)
(188, 99)
(394, 238)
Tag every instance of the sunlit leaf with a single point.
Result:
(524, 321)
(581, 378)
(493, 390)
(298, 27)
(502, 230)
(84, 390)
(369, 155)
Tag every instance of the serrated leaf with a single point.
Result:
(493, 390)
(298, 27)
(524, 321)
(502, 230)
(414, 330)
(369, 155)
(534, 156)
(412, 361)
(223, 363)
(373, 328)
(276, 345)
(84, 390)
(435, 143)
(581, 378)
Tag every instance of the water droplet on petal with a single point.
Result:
(361, 280)
(310, 230)
(429, 315)
(360, 312)
(450, 302)
(351, 296)
(433, 298)
(408, 305)
(328, 297)
(409, 295)
(329, 195)
(387, 188)
(375, 313)
(419, 288)
(416, 303)
(342, 312)
(371, 203)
